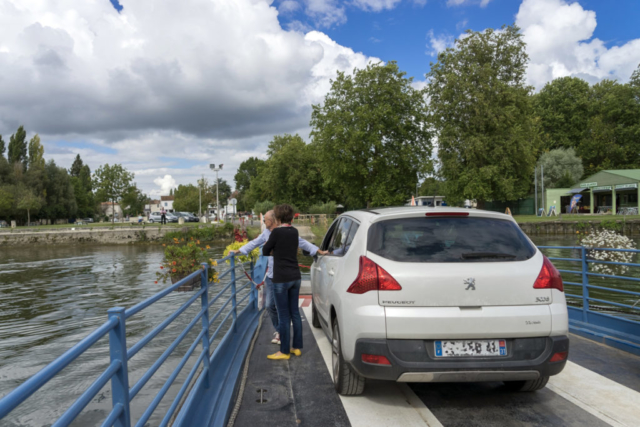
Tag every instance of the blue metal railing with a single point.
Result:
(120, 355)
(601, 311)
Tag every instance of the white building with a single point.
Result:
(166, 202)
(108, 208)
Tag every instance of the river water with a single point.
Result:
(53, 296)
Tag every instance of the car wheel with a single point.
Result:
(345, 381)
(315, 320)
(527, 385)
(150, 221)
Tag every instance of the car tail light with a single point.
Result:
(375, 359)
(549, 277)
(372, 277)
(559, 357)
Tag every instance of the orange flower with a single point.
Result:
(164, 244)
(208, 247)
(161, 267)
(174, 270)
(174, 263)
(198, 241)
(156, 281)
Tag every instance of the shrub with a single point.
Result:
(323, 208)
(263, 207)
(612, 240)
(181, 260)
(253, 255)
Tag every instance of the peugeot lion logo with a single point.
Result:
(471, 284)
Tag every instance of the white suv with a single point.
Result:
(416, 294)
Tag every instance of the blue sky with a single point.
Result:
(165, 88)
(401, 33)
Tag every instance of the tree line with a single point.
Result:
(374, 136)
(32, 188)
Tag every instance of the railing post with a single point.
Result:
(204, 299)
(585, 287)
(254, 291)
(120, 380)
(233, 290)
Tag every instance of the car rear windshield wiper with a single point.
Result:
(470, 255)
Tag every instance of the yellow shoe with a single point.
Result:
(276, 356)
(296, 351)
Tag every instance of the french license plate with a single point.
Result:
(471, 348)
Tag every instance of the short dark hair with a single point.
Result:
(284, 213)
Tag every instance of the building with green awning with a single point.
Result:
(611, 191)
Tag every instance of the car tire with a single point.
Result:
(150, 221)
(527, 385)
(315, 320)
(345, 380)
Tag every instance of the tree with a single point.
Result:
(29, 201)
(36, 153)
(634, 80)
(247, 171)
(2, 147)
(6, 201)
(563, 108)
(291, 174)
(431, 187)
(187, 198)
(18, 147)
(562, 168)
(133, 201)
(371, 136)
(76, 167)
(612, 139)
(111, 183)
(481, 109)
(60, 201)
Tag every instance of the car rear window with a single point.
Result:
(441, 239)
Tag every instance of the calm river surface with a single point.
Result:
(53, 296)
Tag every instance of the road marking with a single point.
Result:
(384, 403)
(304, 301)
(607, 400)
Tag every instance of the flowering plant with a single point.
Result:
(181, 260)
(612, 240)
(242, 258)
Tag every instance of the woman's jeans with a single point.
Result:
(270, 303)
(287, 302)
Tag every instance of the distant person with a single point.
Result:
(163, 216)
(271, 223)
(140, 219)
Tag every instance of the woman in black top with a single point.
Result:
(283, 245)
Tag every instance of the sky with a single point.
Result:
(166, 88)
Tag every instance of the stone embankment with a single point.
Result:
(101, 235)
(629, 228)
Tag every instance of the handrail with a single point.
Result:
(117, 371)
(587, 299)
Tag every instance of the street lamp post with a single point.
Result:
(216, 169)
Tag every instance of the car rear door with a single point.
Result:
(319, 276)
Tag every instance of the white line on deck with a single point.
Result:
(384, 403)
(606, 399)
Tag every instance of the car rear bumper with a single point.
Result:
(415, 361)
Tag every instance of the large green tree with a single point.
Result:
(563, 108)
(60, 201)
(28, 201)
(18, 147)
(82, 188)
(111, 183)
(371, 136)
(133, 201)
(291, 174)
(562, 168)
(612, 139)
(247, 171)
(2, 147)
(36, 153)
(481, 108)
(187, 198)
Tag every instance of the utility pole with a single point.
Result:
(200, 196)
(216, 169)
(535, 180)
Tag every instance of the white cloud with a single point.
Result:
(559, 37)
(288, 6)
(438, 43)
(143, 89)
(376, 5)
(482, 3)
(165, 183)
(326, 13)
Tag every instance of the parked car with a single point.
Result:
(417, 294)
(188, 217)
(157, 217)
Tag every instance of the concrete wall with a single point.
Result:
(97, 235)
